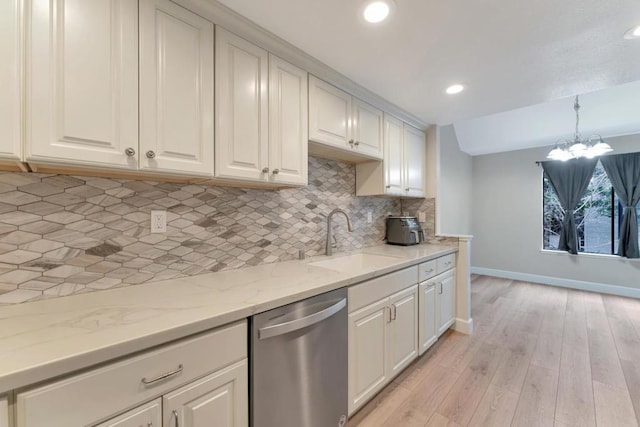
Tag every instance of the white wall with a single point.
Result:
(453, 201)
(507, 222)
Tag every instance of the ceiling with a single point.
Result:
(509, 54)
(609, 112)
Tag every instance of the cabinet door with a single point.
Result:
(10, 76)
(4, 412)
(403, 335)
(176, 89)
(147, 415)
(393, 156)
(220, 399)
(367, 352)
(415, 152)
(82, 84)
(427, 316)
(242, 120)
(446, 304)
(367, 124)
(288, 118)
(329, 114)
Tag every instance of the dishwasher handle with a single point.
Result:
(294, 325)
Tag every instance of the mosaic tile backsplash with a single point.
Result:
(61, 235)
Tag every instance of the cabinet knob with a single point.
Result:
(130, 152)
(265, 170)
(406, 189)
(276, 171)
(388, 186)
(351, 142)
(151, 154)
(357, 143)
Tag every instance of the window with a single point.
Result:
(598, 216)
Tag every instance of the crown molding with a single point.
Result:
(230, 20)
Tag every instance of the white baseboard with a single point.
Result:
(558, 281)
(463, 326)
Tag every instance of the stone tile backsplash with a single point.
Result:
(61, 235)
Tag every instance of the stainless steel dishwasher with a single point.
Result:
(299, 364)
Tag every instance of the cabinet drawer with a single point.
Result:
(445, 263)
(95, 395)
(427, 270)
(381, 287)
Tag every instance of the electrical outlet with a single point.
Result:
(422, 217)
(369, 217)
(158, 221)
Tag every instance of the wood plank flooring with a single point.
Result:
(540, 356)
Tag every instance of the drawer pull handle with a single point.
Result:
(429, 270)
(145, 381)
(175, 417)
(395, 312)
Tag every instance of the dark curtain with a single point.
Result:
(624, 173)
(570, 181)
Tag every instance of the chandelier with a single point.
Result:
(589, 148)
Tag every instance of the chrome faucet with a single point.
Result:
(329, 248)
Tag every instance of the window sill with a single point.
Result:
(588, 255)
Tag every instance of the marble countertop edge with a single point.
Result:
(87, 330)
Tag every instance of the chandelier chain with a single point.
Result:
(576, 107)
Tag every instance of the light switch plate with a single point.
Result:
(422, 217)
(158, 221)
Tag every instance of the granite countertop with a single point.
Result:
(45, 339)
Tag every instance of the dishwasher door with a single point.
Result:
(299, 364)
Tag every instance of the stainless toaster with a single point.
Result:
(404, 230)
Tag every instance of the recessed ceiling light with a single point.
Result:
(633, 33)
(453, 89)
(377, 11)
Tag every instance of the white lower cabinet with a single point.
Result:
(220, 399)
(203, 379)
(383, 334)
(367, 352)
(147, 415)
(446, 297)
(427, 316)
(4, 412)
(403, 336)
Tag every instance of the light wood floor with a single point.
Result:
(540, 356)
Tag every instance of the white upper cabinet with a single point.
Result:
(10, 76)
(367, 128)
(242, 109)
(176, 89)
(393, 156)
(403, 169)
(288, 117)
(329, 114)
(415, 159)
(339, 120)
(82, 81)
